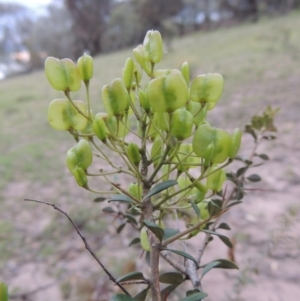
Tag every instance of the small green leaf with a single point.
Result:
(131, 218)
(168, 232)
(208, 267)
(131, 276)
(219, 263)
(108, 210)
(241, 171)
(120, 228)
(122, 297)
(262, 156)
(141, 296)
(160, 187)
(214, 207)
(134, 241)
(254, 178)
(195, 297)
(167, 291)
(196, 208)
(224, 226)
(100, 199)
(224, 238)
(191, 292)
(234, 203)
(171, 278)
(183, 254)
(155, 229)
(121, 198)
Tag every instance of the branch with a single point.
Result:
(111, 277)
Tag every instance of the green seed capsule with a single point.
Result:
(204, 136)
(156, 150)
(153, 46)
(80, 176)
(223, 139)
(215, 180)
(209, 152)
(168, 93)
(143, 97)
(162, 121)
(181, 124)
(63, 116)
(128, 73)
(185, 70)
(115, 98)
(198, 113)
(135, 190)
(99, 126)
(203, 210)
(207, 88)
(3, 292)
(235, 143)
(85, 67)
(62, 74)
(133, 153)
(139, 55)
(79, 156)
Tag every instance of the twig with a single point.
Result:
(111, 277)
(174, 264)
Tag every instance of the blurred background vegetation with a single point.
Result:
(72, 27)
(254, 44)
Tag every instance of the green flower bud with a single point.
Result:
(80, 176)
(135, 190)
(79, 156)
(3, 292)
(63, 116)
(153, 46)
(156, 150)
(85, 67)
(99, 126)
(115, 98)
(137, 72)
(62, 74)
(215, 180)
(133, 153)
(139, 55)
(204, 136)
(143, 97)
(207, 88)
(185, 70)
(235, 143)
(128, 73)
(144, 240)
(168, 93)
(162, 120)
(164, 72)
(198, 113)
(181, 124)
